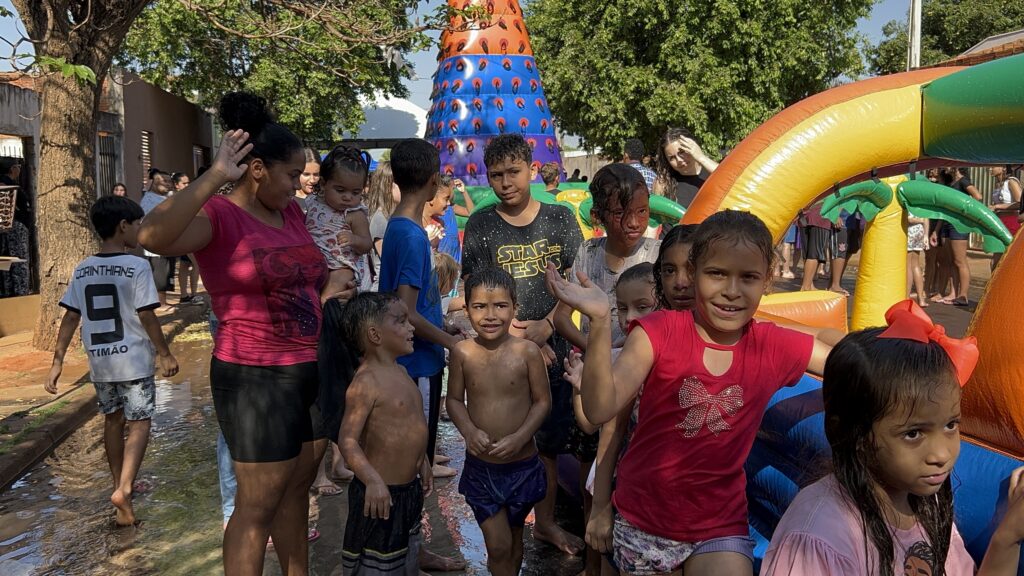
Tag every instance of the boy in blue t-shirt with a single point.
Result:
(112, 293)
(407, 269)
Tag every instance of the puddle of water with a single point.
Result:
(57, 519)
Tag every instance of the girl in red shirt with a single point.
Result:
(704, 378)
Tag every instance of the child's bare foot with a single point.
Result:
(441, 459)
(122, 502)
(559, 538)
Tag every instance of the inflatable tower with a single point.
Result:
(486, 84)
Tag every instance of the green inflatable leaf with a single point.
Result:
(930, 200)
(869, 198)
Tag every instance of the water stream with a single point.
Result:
(57, 518)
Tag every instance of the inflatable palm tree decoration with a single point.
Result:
(884, 204)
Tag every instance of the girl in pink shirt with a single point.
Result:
(703, 378)
(892, 414)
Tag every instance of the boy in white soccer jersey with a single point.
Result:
(114, 296)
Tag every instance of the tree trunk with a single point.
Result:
(66, 188)
(81, 32)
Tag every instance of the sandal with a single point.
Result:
(328, 489)
(962, 303)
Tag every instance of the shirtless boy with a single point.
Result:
(384, 441)
(504, 382)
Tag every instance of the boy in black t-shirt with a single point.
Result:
(522, 236)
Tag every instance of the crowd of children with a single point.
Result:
(660, 401)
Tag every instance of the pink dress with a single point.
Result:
(821, 533)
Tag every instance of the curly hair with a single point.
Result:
(343, 157)
(507, 147)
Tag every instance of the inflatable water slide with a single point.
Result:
(866, 132)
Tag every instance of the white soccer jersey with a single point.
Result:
(109, 290)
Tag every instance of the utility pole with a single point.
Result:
(914, 36)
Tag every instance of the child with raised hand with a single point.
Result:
(384, 440)
(892, 415)
(706, 376)
(498, 396)
(338, 220)
(115, 293)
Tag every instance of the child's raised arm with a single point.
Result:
(68, 324)
(540, 396)
(1003, 552)
(574, 375)
(599, 525)
(477, 441)
(359, 238)
(606, 389)
(359, 401)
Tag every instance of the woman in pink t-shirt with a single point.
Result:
(264, 276)
(703, 378)
(892, 415)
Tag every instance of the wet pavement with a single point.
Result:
(57, 519)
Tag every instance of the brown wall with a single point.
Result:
(176, 126)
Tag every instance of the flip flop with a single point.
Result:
(328, 490)
(313, 535)
(962, 303)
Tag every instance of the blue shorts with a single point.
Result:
(790, 235)
(954, 235)
(515, 486)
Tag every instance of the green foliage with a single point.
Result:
(948, 28)
(80, 72)
(615, 69)
(312, 68)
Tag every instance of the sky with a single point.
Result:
(425, 62)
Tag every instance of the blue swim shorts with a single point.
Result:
(515, 486)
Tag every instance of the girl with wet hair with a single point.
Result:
(264, 275)
(892, 419)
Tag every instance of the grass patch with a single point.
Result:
(38, 418)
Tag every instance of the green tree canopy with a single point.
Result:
(948, 28)
(614, 69)
(312, 71)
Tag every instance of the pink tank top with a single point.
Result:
(265, 286)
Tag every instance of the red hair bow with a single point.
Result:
(909, 322)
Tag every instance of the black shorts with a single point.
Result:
(162, 267)
(840, 243)
(555, 435)
(816, 243)
(374, 546)
(265, 412)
